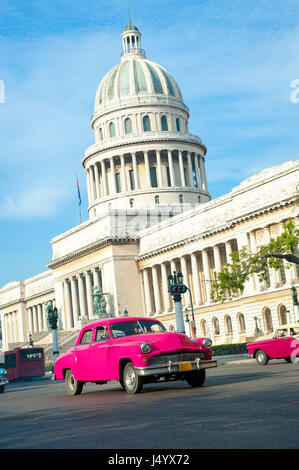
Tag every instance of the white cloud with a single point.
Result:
(39, 202)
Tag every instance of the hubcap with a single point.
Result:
(130, 378)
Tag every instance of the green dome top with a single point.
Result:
(130, 27)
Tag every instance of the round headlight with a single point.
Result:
(207, 342)
(145, 348)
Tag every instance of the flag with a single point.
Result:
(79, 195)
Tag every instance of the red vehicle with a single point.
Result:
(24, 362)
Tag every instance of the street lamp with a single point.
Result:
(176, 288)
(295, 302)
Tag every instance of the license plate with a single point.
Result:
(185, 366)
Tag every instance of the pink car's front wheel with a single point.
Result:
(261, 357)
(132, 382)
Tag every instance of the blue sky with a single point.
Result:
(234, 61)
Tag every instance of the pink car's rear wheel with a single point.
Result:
(73, 386)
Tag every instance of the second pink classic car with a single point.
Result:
(283, 345)
(134, 351)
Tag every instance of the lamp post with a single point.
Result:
(295, 303)
(52, 318)
(126, 312)
(30, 341)
(176, 288)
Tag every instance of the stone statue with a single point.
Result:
(51, 314)
(99, 303)
(295, 296)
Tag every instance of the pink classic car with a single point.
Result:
(283, 345)
(134, 351)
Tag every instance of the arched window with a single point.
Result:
(241, 320)
(146, 123)
(128, 126)
(180, 198)
(157, 200)
(177, 123)
(267, 320)
(228, 324)
(203, 327)
(112, 129)
(282, 315)
(216, 328)
(131, 202)
(164, 124)
(101, 133)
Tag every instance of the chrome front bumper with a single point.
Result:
(172, 367)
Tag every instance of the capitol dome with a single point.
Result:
(136, 79)
(144, 155)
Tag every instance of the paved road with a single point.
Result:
(240, 406)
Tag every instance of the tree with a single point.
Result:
(231, 280)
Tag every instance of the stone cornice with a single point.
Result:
(90, 249)
(227, 226)
(150, 140)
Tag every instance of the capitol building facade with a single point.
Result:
(150, 213)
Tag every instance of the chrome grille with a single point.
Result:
(182, 357)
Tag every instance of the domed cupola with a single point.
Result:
(143, 153)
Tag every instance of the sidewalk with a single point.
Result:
(234, 359)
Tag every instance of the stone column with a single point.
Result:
(147, 294)
(217, 259)
(166, 296)
(35, 320)
(88, 185)
(147, 169)
(156, 289)
(196, 282)
(159, 169)
(82, 296)
(124, 185)
(190, 171)
(112, 170)
(104, 179)
(185, 297)
(40, 317)
(228, 251)
(68, 304)
(135, 170)
(207, 275)
(181, 163)
(92, 180)
(171, 169)
(75, 299)
(97, 179)
(90, 306)
(30, 320)
(203, 177)
(197, 171)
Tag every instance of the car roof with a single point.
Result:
(108, 321)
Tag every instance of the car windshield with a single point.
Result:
(135, 327)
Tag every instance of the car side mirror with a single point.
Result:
(104, 337)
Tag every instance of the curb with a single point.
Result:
(234, 359)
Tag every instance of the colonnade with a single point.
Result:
(36, 318)
(199, 270)
(121, 173)
(10, 326)
(78, 296)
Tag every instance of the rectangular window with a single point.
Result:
(168, 176)
(132, 182)
(117, 182)
(153, 173)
